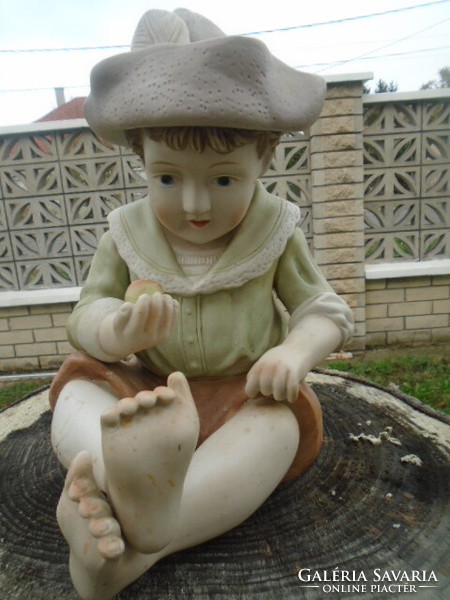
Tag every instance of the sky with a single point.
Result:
(43, 43)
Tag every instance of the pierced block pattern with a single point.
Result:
(34, 244)
(134, 172)
(289, 177)
(92, 174)
(92, 207)
(56, 190)
(436, 115)
(6, 253)
(45, 274)
(81, 143)
(82, 265)
(3, 222)
(41, 179)
(28, 148)
(407, 180)
(85, 238)
(31, 213)
(8, 276)
(291, 156)
(394, 117)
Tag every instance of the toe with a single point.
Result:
(165, 394)
(111, 547)
(146, 398)
(110, 418)
(179, 384)
(104, 526)
(128, 407)
(92, 507)
(80, 478)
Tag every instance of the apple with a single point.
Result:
(142, 286)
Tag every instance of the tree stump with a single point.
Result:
(375, 502)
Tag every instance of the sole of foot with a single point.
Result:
(148, 442)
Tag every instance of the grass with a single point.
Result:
(422, 373)
(12, 391)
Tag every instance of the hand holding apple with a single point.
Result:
(145, 319)
(142, 286)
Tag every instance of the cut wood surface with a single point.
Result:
(377, 498)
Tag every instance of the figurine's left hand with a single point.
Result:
(277, 373)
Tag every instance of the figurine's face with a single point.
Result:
(200, 198)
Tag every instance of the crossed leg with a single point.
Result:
(86, 520)
(229, 476)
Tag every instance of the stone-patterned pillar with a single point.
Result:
(338, 195)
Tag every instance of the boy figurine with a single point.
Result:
(157, 464)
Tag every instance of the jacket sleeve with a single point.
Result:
(303, 289)
(102, 293)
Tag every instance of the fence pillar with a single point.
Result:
(338, 195)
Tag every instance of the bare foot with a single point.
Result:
(148, 443)
(93, 534)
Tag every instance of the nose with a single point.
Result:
(196, 200)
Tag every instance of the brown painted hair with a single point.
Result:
(219, 139)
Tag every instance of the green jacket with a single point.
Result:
(242, 307)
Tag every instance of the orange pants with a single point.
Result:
(217, 399)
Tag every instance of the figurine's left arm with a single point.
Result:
(319, 324)
(280, 370)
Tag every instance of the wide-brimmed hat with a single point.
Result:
(183, 70)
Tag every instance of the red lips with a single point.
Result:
(199, 224)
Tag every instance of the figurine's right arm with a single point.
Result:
(105, 326)
(101, 295)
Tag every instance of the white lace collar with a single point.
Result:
(259, 240)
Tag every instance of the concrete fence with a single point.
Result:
(371, 177)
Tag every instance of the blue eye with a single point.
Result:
(166, 180)
(223, 181)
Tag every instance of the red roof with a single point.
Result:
(74, 109)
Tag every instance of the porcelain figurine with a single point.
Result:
(185, 405)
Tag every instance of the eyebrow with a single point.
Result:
(163, 163)
(225, 163)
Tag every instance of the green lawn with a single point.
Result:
(425, 376)
(13, 391)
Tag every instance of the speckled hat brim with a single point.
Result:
(224, 81)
